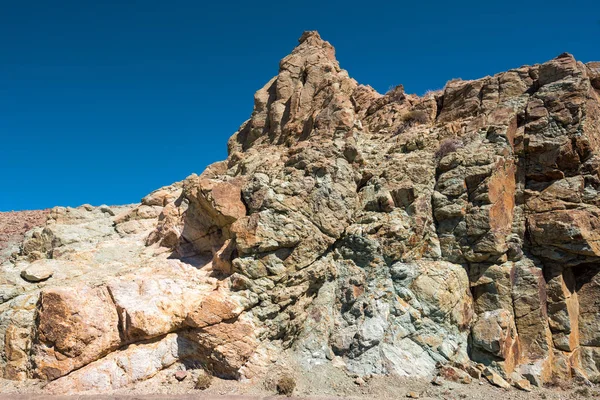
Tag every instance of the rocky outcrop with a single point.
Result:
(13, 226)
(385, 234)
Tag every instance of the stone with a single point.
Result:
(533, 373)
(18, 321)
(531, 315)
(473, 372)
(77, 325)
(37, 272)
(180, 375)
(495, 379)
(163, 196)
(494, 337)
(222, 258)
(158, 302)
(225, 347)
(212, 309)
(453, 374)
(121, 368)
(522, 384)
(437, 381)
(213, 207)
(14, 227)
(558, 229)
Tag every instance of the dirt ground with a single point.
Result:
(322, 382)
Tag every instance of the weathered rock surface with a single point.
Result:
(14, 225)
(385, 234)
(38, 271)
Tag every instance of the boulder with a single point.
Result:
(77, 325)
(495, 379)
(37, 272)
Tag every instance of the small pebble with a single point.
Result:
(437, 381)
(180, 375)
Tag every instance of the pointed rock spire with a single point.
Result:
(311, 92)
(311, 42)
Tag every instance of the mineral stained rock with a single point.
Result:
(385, 234)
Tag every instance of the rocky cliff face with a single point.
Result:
(384, 234)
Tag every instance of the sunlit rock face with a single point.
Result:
(385, 234)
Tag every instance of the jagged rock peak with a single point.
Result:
(306, 35)
(311, 41)
(299, 102)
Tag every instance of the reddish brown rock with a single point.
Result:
(214, 206)
(454, 374)
(495, 379)
(222, 257)
(568, 236)
(225, 347)
(180, 375)
(76, 326)
(13, 226)
(212, 309)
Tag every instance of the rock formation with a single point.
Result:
(385, 234)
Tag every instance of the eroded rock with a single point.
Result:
(37, 272)
(387, 234)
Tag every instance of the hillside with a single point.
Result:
(373, 235)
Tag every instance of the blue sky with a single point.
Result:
(103, 101)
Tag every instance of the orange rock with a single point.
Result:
(213, 309)
(225, 347)
(221, 261)
(214, 206)
(77, 325)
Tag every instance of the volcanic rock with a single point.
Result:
(384, 234)
(495, 379)
(37, 271)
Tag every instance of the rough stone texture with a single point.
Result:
(495, 379)
(76, 325)
(14, 225)
(136, 362)
(385, 234)
(523, 384)
(37, 271)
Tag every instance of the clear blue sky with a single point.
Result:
(104, 101)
